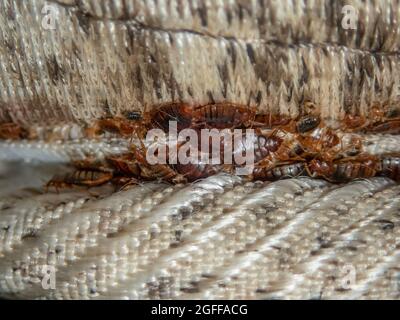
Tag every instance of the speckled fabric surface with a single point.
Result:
(220, 237)
(106, 57)
(216, 238)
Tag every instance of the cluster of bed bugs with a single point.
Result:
(12, 131)
(283, 147)
(379, 121)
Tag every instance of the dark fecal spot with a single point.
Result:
(342, 289)
(192, 288)
(178, 235)
(185, 212)
(31, 233)
(259, 290)
(385, 224)
(298, 193)
(58, 250)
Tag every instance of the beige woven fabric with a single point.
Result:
(106, 57)
(216, 238)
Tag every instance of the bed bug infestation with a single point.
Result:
(282, 147)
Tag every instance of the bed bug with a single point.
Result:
(265, 145)
(356, 122)
(269, 120)
(161, 172)
(343, 170)
(269, 149)
(124, 164)
(320, 140)
(389, 127)
(198, 170)
(91, 164)
(182, 113)
(282, 171)
(192, 172)
(378, 121)
(351, 122)
(88, 172)
(119, 125)
(390, 166)
(12, 131)
(123, 182)
(157, 171)
(262, 146)
(223, 115)
(84, 178)
(307, 123)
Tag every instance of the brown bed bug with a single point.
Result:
(126, 127)
(91, 164)
(379, 120)
(343, 170)
(12, 131)
(390, 166)
(282, 171)
(262, 146)
(83, 178)
(199, 170)
(223, 115)
(320, 140)
(125, 165)
(389, 127)
(123, 182)
(158, 171)
(266, 145)
(182, 113)
(269, 149)
(269, 120)
(88, 173)
(161, 172)
(352, 122)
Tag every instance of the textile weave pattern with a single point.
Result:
(217, 238)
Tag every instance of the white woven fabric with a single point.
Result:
(217, 238)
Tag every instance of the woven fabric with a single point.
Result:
(107, 57)
(217, 238)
